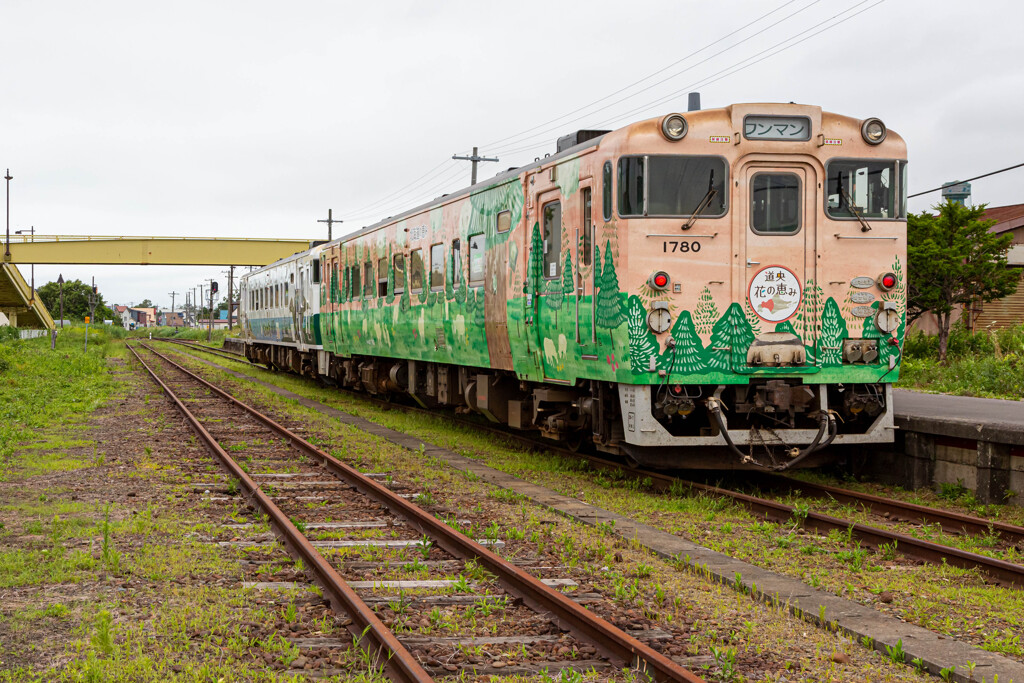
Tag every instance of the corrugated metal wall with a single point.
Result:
(1003, 313)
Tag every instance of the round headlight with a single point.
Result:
(674, 127)
(873, 131)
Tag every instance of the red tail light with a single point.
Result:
(887, 281)
(658, 280)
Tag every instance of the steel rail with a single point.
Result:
(613, 643)
(953, 522)
(366, 627)
(207, 349)
(1004, 572)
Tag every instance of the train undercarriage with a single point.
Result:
(768, 423)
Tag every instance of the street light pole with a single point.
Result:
(7, 249)
(31, 231)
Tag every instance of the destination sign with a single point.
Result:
(777, 128)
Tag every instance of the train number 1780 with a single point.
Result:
(670, 246)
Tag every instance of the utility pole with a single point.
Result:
(60, 286)
(475, 158)
(231, 295)
(172, 303)
(330, 224)
(202, 298)
(7, 249)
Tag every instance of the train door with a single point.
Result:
(586, 334)
(496, 290)
(300, 308)
(779, 257)
(553, 309)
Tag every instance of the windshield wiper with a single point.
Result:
(712, 191)
(864, 227)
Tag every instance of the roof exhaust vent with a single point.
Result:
(577, 138)
(693, 102)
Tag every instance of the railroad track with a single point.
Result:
(1006, 573)
(221, 421)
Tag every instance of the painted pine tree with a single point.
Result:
(897, 294)
(553, 295)
(391, 281)
(568, 282)
(642, 343)
(597, 266)
(707, 312)
(752, 320)
(730, 337)
(833, 332)
(335, 293)
(808, 320)
(536, 267)
(689, 355)
(786, 326)
(405, 303)
(611, 311)
(449, 277)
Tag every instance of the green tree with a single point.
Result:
(953, 260)
(76, 301)
(611, 310)
(643, 345)
(688, 356)
(730, 337)
(833, 332)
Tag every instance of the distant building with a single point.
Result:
(175, 319)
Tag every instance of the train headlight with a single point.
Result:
(873, 131)
(658, 281)
(886, 281)
(674, 127)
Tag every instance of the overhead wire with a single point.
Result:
(957, 182)
(494, 143)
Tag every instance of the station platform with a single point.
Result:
(977, 443)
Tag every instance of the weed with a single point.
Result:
(918, 664)
(896, 653)
(290, 613)
(868, 642)
(800, 512)
(725, 659)
(425, 498)
(232, 486)
(424, 547)
(947, 674)
(888, 550)
(102, 639)
(644, 571)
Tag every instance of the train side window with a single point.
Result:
(353, 291)
(552, 212)
(416, 271)
(476, 259)
(368, 279)
(606, 192)
(775, 203)
(316, 272)
(588, 229)
(436, 267)
(382, 277)
(399, 262)
(504, 221)
(631, 186)
(287, 294)
(456, 263)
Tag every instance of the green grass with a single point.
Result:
(988, 364)
(40, 389)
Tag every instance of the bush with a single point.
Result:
(189, 333)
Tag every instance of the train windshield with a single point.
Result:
(672, 186)
(861, 186)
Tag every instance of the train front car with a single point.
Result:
(762, 252)
(723, 288)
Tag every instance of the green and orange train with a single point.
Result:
(715, 289)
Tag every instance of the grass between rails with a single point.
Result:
(989, 364)
(643, 581)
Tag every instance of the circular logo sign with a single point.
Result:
(774, 294)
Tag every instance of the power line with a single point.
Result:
(957, 182)
(727, 71)
(663, 69)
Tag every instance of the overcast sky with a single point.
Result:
(253, 118)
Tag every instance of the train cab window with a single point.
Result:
(861, 186)
(552, 261)
(416, 271)
(606, 191)
(399, 261)
(456, 263)
(436, 267)
(903, 189)
(476, 259)
(382, 277)
(587, 246)
(775, 203)
(672, 185)
(504, 222)
(368, 279)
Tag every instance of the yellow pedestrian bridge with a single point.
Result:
(23, 309)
